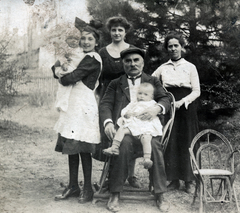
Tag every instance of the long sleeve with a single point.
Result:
(107, 103)
(195, 88)
(87, 66)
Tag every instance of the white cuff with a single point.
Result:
(186, 102)
(163, 109)
(107, 121)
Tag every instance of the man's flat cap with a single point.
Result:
(132, 50)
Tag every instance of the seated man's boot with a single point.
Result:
(113, 202)
(161, 205)
(134, 182)
(175, 184)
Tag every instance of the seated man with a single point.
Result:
(118, 95)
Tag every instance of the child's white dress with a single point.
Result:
(137, 126)
(63, 92)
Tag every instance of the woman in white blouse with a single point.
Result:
(180, 77)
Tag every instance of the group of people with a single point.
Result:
(127, 108)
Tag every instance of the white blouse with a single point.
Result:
(180, 74)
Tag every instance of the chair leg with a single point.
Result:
(201, 198)
(229, 190)
(104, 174)
(235, 196)
(195, 192)
(211, 183)
(100, 195)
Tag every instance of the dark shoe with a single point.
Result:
(113, 202)
(162, 206)
(175, 184)
(158, 199)
(134, 182)
(189, 187)
(86, 196)
(106, 183)
(68, 192)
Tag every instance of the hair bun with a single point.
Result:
(93, 26)
(97, 24)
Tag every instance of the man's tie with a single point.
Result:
(134, 78)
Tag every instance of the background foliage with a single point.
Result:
(10, 73)
(212, 32)
(211, 29)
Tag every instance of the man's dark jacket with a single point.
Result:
(117, 96)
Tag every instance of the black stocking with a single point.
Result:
(87, 170)
(73, 162)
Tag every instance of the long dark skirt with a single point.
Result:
(185, 127)
(72, 147)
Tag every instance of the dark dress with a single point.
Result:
(112, 69)
(185, 127)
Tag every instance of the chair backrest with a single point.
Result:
(167, 122)
(211, 150)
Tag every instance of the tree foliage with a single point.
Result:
(10, 73)
(211, 29)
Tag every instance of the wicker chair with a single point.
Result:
(212, 161)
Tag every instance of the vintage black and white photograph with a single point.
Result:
(119, 106)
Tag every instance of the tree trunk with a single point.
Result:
(29, 37)
(193, 26)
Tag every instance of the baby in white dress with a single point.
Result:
(67, 63)
(130, 124)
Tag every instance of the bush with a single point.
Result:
(39, 98)
(221, 98)
(221, 95)
(10, 74)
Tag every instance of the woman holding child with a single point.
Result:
(78, 131)
(180, 77)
